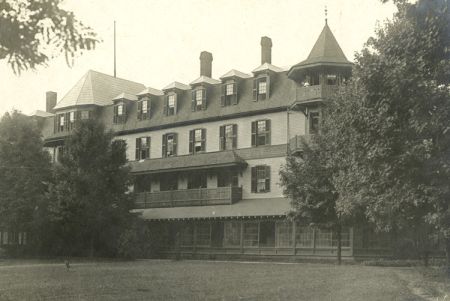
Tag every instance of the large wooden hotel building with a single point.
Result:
(206, 155)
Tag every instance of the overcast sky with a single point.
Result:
(160, 41)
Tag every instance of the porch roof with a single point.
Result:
(188, 162)
(241, 209)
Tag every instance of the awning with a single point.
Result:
(189, 162)
(245, 208)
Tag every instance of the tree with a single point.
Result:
(89, 204)
(388, 131)
(307, 181)
(25, 173)
(33, 32)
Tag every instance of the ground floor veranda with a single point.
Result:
(268, 237)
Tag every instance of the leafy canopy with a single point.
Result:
(33, 32)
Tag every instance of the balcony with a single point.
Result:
(296, 145)
(189, 197)
(315, 93)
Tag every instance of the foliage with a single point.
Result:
(89, 203)
(25, 173)
(32, 32)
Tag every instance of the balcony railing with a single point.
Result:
(296, 144)
(189, 197)
(315, 92)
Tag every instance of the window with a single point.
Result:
(284, 234)
(261, 87)
(199, 99)
(85, 115)
(228, 136)
(187, 234)
(119, 113)
(197, 141)
(168, 182)
(304, 236)
(169, 145)
(227, 179)
(260, 178)
(170, 107)
(142, 183)
(331, 79)
(203, 234)
(260, 132)
(197, 180)
(267, 234)
(71, 123)
(142, 148)
(232, 234)
(251, 234)
(314, 123)
(229, 94)
(324, 238)
(61, 122)
(143, 109)
(59, 153)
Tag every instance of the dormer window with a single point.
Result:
(229, 94)
(143, 109)
(261, 88)
(119, 113)
(170, 106)
(198, 99)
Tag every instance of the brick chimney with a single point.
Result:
(206, 59)
(266, 50)
(50, 101)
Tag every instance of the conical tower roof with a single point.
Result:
(96, 88)
(325, 52)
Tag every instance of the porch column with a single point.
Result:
(194, 243)
(242, 236)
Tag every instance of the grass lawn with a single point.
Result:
(201, 280)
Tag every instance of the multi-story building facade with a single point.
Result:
(206, 156)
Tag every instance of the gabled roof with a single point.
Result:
(40, 113)
(151, 91)
(267, 66)
(96, 88)
(326, 51)
(205, 79)
(176, 85)
(235, 73)
(126, 96)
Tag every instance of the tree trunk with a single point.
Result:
(447, 253)
(339, 246)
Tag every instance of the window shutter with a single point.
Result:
(149, 108)
(191, 141)
(223, 95)
(175, 140)
(203, 140)
(255, 89)
(77, 116)
(235, 95)
(55, 123)
(222, 137)
(176, 104)
(116, 112)
(254, 125)
(149, 146)
(254, 179)
(268, 131)
(164, 145)
(267, 175)
(90, 114)
(234, 135)
(267, 87)
(166, 105)
(138, 148)
(193, 103)
(204, 104)
(139, 110)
